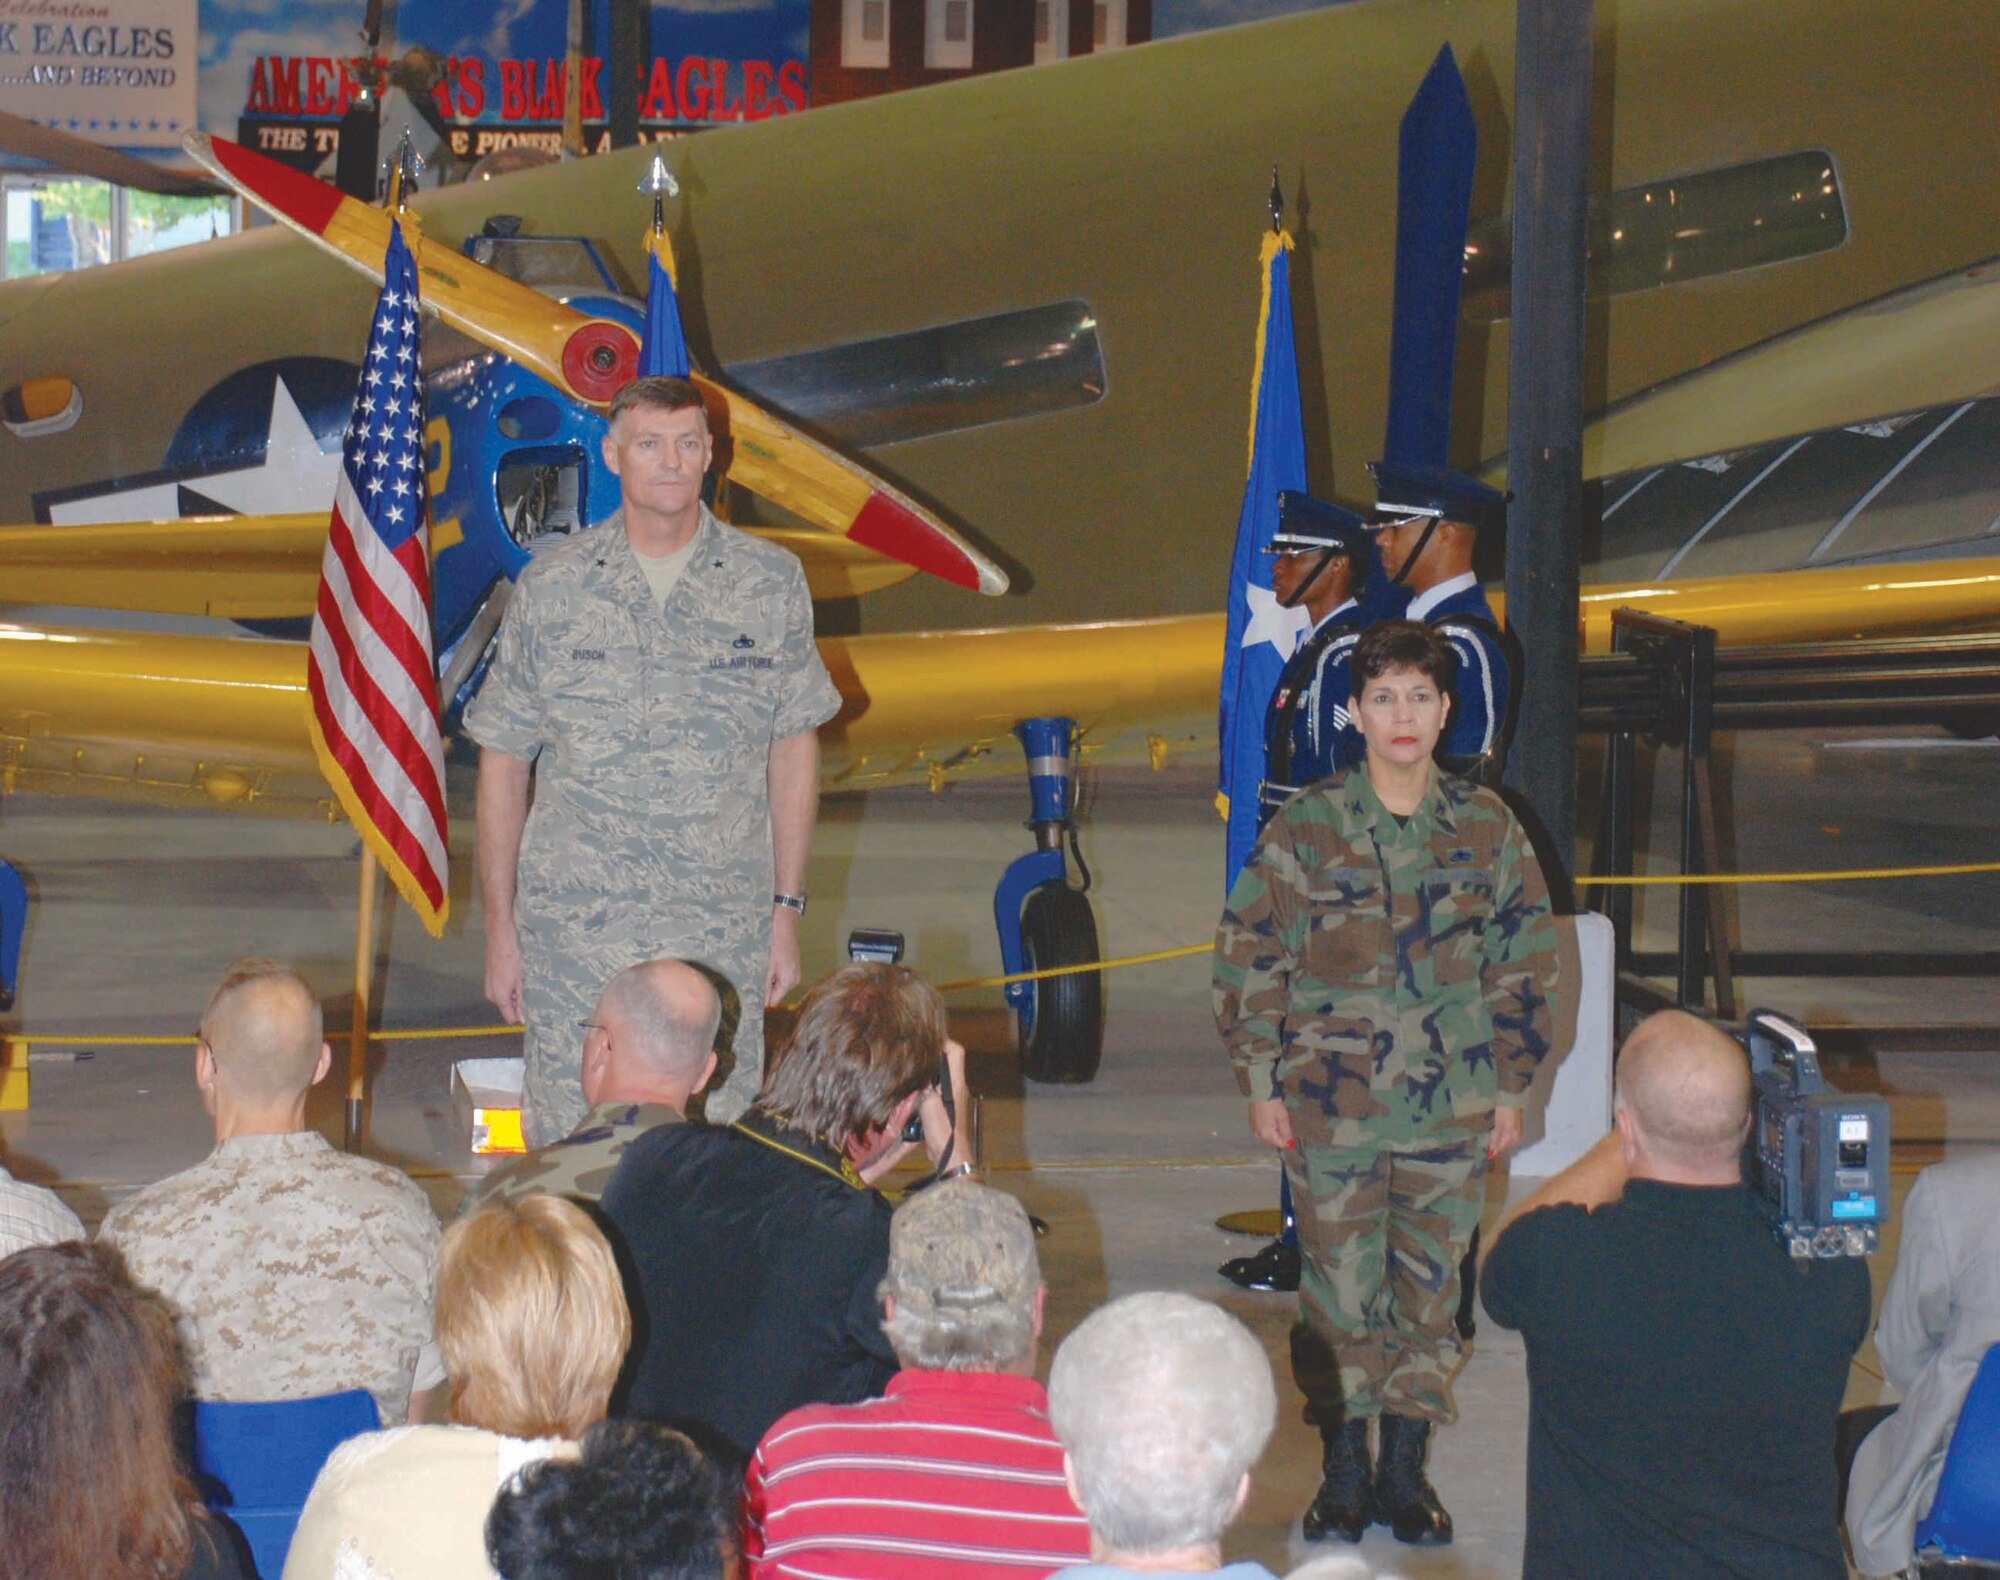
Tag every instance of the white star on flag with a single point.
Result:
(1271, 621)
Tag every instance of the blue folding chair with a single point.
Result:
(256, 1462)
(1962, 1528)
(13, 927)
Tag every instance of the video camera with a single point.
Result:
(883, 946)
(1816, 1159)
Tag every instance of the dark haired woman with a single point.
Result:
(90, 1371)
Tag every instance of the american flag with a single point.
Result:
(371, 673)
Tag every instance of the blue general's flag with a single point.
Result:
(1261, 635)
(664, 348)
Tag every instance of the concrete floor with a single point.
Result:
(138, 911)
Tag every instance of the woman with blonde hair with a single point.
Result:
(532, 1326)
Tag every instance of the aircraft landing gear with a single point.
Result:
(1043, 922)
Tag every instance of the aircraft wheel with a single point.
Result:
(1062, 1026)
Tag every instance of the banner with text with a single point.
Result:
(119, 72)
(496, 75)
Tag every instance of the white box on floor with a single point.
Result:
(486, 1096)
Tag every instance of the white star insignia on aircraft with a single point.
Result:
(297, 473)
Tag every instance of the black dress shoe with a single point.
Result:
(1344, 1506)
(1405, 1501)
(1276, 1267)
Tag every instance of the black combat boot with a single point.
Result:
(1344, 1506)
(1405, 1500)
(1276, 1267)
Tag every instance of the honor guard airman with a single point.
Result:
(1322, 558)
(1427, 519)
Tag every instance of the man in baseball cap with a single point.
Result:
(955, 1470)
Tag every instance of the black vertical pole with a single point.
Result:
(628, 48)
(1552, 63)
(1614, 852)
(1697, 853)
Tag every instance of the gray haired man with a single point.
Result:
(955, 1469)
(1163, 1403)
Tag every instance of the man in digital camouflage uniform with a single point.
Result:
(658, 675)
(293, 1270)
(649, 1047)
(1383, 972)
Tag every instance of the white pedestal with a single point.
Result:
(1569, 1108)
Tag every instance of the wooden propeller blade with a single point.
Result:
(591, 359)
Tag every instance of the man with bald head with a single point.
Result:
(294, 1269)
(1684, 1372)
(648, 1047)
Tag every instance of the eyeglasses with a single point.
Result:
(592, 1025)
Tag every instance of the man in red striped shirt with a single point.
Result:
(955, 1473)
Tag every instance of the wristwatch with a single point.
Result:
(791, 902)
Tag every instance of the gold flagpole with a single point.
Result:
(402, 180)
(364, 975)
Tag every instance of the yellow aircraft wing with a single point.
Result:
(267, 567)
(232, 567)
(198, 719)
(590, 359)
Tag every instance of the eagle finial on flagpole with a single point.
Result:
(1277, 202)
(659, 181)
(404, 168)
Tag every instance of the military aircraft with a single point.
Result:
(1028, 301)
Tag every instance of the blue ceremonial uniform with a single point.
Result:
(1482, 704)
(1482, 721)
(1308, 733)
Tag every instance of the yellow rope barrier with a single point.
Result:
(1116, 962)
(1956, 869)
(1112, 964)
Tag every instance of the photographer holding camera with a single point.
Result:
(1684, 1370)
(756, 1248)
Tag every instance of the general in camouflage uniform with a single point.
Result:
(651, 728)
(578, 1166)
(1388, 979)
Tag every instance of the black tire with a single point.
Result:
(1062, 1036)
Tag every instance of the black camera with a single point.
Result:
(880, 946)
(1817, 1159)
(884, 946)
